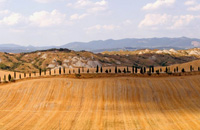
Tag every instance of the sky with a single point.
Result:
(58, 22)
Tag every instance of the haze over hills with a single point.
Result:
(113, 45)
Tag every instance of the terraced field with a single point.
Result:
(106, 103)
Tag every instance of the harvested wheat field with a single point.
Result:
(169, 103)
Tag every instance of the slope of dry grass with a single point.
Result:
(112, 103)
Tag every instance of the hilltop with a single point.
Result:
(55, 58)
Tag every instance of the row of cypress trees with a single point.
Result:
(135, 69)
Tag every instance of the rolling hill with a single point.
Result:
(107, 103)
(55, 58)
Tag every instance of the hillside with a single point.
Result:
(55, 58)
(108, 103)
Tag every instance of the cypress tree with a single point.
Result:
(152, 69)
(136, 70)
(191, 68)
(59, 70)
(115, 69)
(64, 70)
(97, 70)
(177, 69)
(141, 71)
(144, 69)
(40, 71)
(110, 70)
(119, 71)
(9, 77)
(133, 69)
(106, 71)
(79, 71)
(124, 70)
(166, 69)
(127, 69)
(101, 69)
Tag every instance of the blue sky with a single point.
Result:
(57, 22)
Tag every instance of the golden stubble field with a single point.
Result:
(107, 103)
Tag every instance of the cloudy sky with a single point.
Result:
(57, 22)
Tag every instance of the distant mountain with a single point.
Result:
(125, 44)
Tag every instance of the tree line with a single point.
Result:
(99, 69)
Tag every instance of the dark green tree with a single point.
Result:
(59, 70)
(9, 77)
(97, 69)
(145, 70)
(40, 71)
(115, 69)
(124, 70)
(119, 71)
(190, 68)
(141, 71)
(136, 70)
(106, 71)
(152, 69)
(110, 70)
(133, 69)
(101, 69)
(79, 71)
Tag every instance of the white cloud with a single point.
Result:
(165, 21)
(127, 22)
(45, 1)
(90, 6)
(100, 28)
(11, 18)
(194, 8)
(158, 3)
(77, 16)
(45, 19)
(190, 2)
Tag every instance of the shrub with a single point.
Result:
(77, 75)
